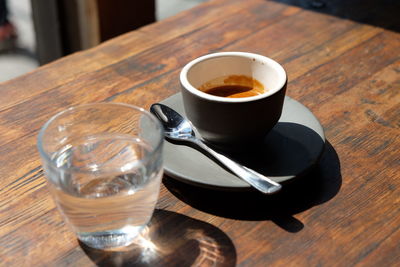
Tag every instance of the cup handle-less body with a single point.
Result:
(233, 122)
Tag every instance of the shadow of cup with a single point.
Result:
(171, 239)
(288, 151)
(320, 184)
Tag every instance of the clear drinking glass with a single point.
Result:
(103, 164)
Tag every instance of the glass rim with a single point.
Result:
(45, 156)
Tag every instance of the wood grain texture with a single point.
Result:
(346, 212)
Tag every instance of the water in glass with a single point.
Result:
(105, 206)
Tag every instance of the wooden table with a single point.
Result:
(345, 213)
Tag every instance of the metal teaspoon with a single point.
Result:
(179, 129)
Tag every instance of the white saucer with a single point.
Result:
(289, 150)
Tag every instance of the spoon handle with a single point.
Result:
(255, 179)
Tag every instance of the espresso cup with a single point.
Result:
(233, 122)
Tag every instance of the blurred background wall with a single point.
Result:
(50, 29)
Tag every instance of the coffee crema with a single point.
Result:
(233, 86)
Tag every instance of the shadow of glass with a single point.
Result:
(171, 239)
(320, 184)
(378, 13)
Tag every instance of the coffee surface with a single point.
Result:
(232, 91)
(233, 86)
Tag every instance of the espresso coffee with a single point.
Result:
(233, 86)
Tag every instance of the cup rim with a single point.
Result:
(45, 156)
(186, 84)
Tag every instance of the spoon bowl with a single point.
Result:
(175, 126)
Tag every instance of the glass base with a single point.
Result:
(111, 239)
